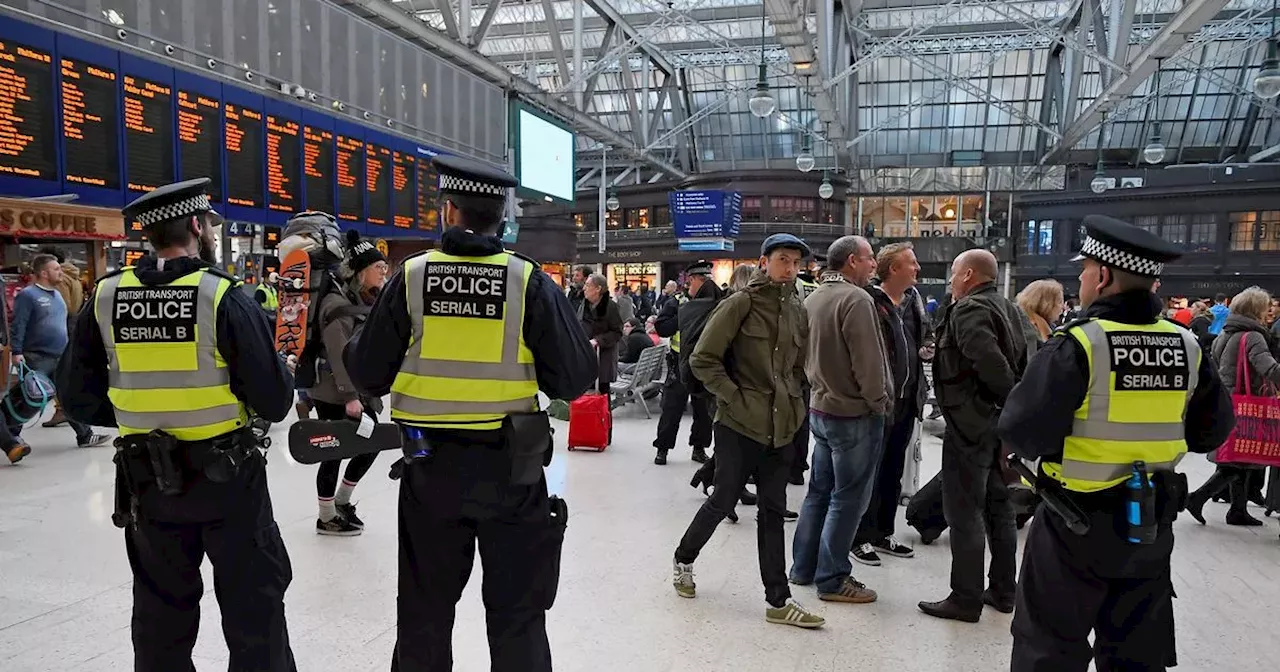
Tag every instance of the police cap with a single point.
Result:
(784, 240)
(698, 267)
(466, 176)
(172, 201)
(1125, 247)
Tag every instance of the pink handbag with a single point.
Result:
(1256, 437)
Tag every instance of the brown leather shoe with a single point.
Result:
(59, 419)
(16, 453)
(303, 409)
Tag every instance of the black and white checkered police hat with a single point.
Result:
(464, 176)
(1125, 247)
(180, 199)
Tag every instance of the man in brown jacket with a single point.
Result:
(751, 357)
(852, 393)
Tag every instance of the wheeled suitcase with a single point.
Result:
(590, 423)
(924, 511)
(911, 470)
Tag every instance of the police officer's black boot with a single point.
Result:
(661, 457)
(1238, 514)
(699, 455)
(1216, 483)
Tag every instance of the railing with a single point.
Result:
(801, 229)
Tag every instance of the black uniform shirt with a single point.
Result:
(563, 359)
(246, 341)
(1041, 409)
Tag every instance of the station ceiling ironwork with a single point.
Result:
(877, 86)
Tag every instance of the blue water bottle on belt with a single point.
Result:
(1140, 506)
(415, 445)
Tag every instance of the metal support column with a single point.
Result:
(604, 181)
(580, 85)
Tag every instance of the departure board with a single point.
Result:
(271, 237)
(350, 179)
(89, 123)
(377, 181)
(283, 149)
(28, 146)
(148, 133)
(200, 140)
(428, 196)
(402, 205)
(244, 156)
(132, 257)
(317, 166)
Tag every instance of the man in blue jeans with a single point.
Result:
(39, 333)
(852, 389)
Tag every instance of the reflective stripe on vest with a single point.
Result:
(463, 369)
(160, 376)
(273, 300)
(1115, 427)
(675, 340)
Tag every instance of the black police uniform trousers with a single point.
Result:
(675, 398)
(1072, 585)
(234, 525)
(882, 513)
(459, 498)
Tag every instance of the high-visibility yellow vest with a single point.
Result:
(1141, 377)
(163, 365)
(804, 288)
(675, 339)
(273, 301)
(467, 366)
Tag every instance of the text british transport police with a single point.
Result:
(465, 290)
(155, 315)
(1147, 361)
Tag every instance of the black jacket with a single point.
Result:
(1041, 410)
(895, 340)
(692, 318)
(667, 323)
(1200, 327)
(980, 356)
(246, 341)
(603, 322)
(563, 360)
(632, 345)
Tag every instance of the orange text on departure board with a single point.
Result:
(311, 150)
(348, 148)
(278, 183)
(234, 135)
(400, 181)
(373, 168)
(189, 120)
(13, 89)
(133, 119)
(76, 114)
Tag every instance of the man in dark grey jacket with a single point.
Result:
(981, 354)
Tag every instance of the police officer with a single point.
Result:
(171, 353)
(1117, 386)
(691, 308)
(463, 338)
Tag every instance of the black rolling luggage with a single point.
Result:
(924, 511)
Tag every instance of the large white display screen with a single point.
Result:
(545, 156)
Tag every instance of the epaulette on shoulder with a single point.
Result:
(1073, 323)
(535, 262)
(112, 274)
(223, 274)
(417, 254)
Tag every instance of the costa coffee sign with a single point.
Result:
(21, 218)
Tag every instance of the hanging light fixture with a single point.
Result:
(1267, 83)
(612, 204)
(1100, 184)
(762, 103)
(804, 160)
(1155, 151)
(825, 190)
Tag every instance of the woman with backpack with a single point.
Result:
(341, 309)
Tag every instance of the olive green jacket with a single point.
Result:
(751, 357)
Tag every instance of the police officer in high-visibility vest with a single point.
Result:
(682, 321)
(1109, 406)
(178, 358)
(464, 337)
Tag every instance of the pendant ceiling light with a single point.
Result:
(762, 103)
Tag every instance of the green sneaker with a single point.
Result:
(792, 613)
(682, 579)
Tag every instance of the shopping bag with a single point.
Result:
(1256, 437)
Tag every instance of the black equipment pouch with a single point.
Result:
(225, 455)
(1172, 493)
(165, 465)
(549, 579)
(528, 438)
(126, 490)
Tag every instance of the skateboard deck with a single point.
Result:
(293, 291)
(314, 441)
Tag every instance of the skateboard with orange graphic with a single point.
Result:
(293, 291)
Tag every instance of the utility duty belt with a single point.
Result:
(526, 437)
(173, 465)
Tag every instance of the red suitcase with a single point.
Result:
(590, 423)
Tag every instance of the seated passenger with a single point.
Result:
(634, 342)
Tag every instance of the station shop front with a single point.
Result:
(83, 235)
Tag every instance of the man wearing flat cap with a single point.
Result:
(463, 338)
(682, 320)
(751, 357)
(171, 353)
(1108, 407)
